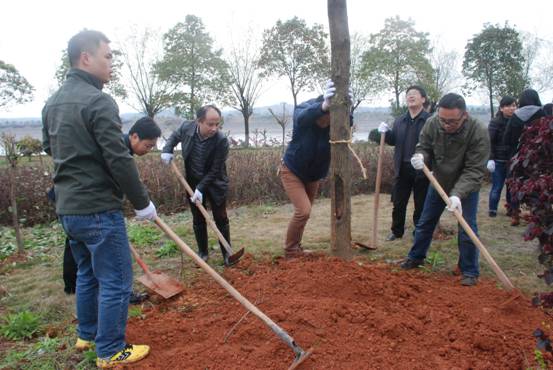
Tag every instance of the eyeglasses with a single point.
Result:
(452, 122)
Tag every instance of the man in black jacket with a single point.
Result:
(404, 136)
(499, 153)
(204, 150)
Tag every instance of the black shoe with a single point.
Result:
(137, 298)
(392, 237)
(469, 280)
(409, 264)
(200, 232)
(492, 213)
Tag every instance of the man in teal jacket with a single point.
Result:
(93, 171)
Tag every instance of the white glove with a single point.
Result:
(148, 213)
(166, 158)
(197, 196)
(330, 90)
(383, 127)
(491, 165)
(417, 161)
(455, 203)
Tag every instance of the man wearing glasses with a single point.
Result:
(457, 147)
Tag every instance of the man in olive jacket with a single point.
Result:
(204, 150)
(93, 170)
(457, 147)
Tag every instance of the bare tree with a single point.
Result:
(282, 120)
(362, 84)
(245, 81)
(10, 148)
(534, 49)
(149, 94)
(446, 70)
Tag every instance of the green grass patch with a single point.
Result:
(22, 325)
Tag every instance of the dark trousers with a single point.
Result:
(220, 217)
(409, 180)
(69, 269)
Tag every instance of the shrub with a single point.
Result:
(22, 325)
(532, 185)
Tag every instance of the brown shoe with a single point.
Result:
(297, 252)
(515, 220)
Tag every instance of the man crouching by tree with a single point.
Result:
(204, 151)
(457, 147)
(93, 170)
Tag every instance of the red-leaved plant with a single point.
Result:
(531, 183)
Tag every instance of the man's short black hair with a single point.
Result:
(529, 97)
(452, 101)
(146, 129)
(86, 40)
(200, 114)
(506, 100)
(418, 88)
(548, 109)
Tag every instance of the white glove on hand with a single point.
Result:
(417, 161)
(455, 203)
(148, 213)
(166, 158)
(383, 127)
(330, 90)
(491, 165)
(197, 196)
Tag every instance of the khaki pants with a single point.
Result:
(302, 196)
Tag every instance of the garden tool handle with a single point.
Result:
(500, 274)
(377, 189)
(139, 260)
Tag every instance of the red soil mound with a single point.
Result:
(356, 316)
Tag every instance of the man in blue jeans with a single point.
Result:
(457, 147)
(93, 171)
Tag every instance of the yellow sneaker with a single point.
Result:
(83, 345)
(131, 353)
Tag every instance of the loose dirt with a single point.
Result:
(356, 315)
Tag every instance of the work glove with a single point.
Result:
(417, 161)
(166, 158)
(148, 213)
(491, 165)
(197, 196)
(330, 90)
(383, 127)
(455, 203)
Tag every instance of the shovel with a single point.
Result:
(157, 281)
(300, 354)
(500, 274)
(233, 257)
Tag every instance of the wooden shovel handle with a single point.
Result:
(500, 274)
(202, 209)
(377, 189)
(139, 260)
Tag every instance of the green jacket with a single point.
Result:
(458, 160)
(93, 169)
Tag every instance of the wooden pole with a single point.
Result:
(500, 274)
(340, 132)
(377, 190)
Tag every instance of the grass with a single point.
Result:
(36, 284)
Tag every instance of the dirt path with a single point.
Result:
(357, 316)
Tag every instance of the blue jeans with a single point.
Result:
(104, 278)
(433, 208)
(498, 180)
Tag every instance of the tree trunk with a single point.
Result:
(340, 165)
(283, 138)
(246, 128)
(15, 217)
(491, 103)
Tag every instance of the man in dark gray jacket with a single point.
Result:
(93, 170)
(204, 150)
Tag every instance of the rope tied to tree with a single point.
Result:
(348, 142)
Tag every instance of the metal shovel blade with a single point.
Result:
(300, 358)
(233, 258)
(162, 284)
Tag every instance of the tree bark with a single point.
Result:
(246, 116)
(15, 217)
(340, 165)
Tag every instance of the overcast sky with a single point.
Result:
(33, 33)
